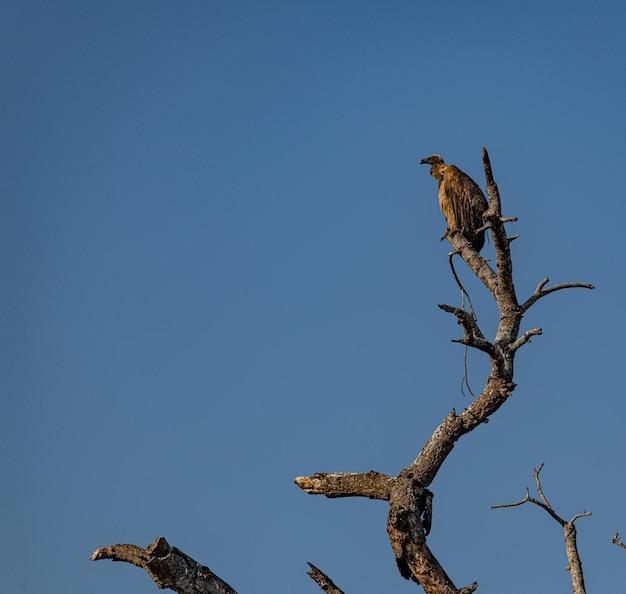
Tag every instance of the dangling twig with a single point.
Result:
(465, 380)
(464, 293)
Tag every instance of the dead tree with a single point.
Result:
(407, 493)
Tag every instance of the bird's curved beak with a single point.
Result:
(425, 162)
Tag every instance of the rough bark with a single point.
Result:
(575, 565)
(373, 485)
(168, 566)
(323, 581)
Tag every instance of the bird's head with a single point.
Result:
(432, 160)
(436, 166)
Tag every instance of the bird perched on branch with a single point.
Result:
(461, 200)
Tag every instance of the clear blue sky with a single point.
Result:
(222, 266)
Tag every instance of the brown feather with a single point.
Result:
(461, 200)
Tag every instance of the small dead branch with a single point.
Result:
(464, 293)
(503, 290)
(465, 378)
(541, 292)
(479, 265)
(168, 567)
(522, 340)
(472, 335)
(372, 485)
(323, 581)
(617, 541)
(575, 565)
(487, 226)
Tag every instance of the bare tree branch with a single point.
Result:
(464, 293)
(473, 336)
(520, 502)
(617, 541)
(575, 565)
(168, 566)
(541, 292)
(525, 338)
(504, 291)
(323, 581)
(479, 265)
(373, 485)
(528, 499)
(569, 530)
(536, 472)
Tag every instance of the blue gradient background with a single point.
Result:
(222, 266)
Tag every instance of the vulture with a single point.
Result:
(461, 200)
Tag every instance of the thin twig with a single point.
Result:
(525, 338)
(465, 379)
(472, 335)
(541, 292)
(521, 502)
(464, 293)
(536, 472)
(617, 541)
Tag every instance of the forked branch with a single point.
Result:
(617, 541)
(571, 548)
(541, 292)
(473, 336)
